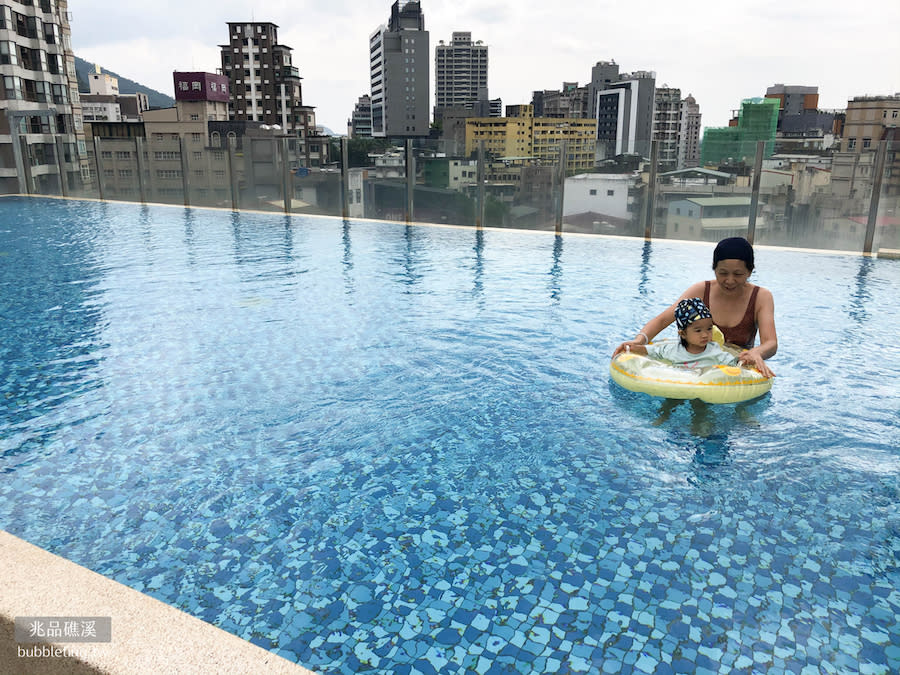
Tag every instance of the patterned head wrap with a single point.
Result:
(690, 310)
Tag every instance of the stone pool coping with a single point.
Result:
(148, 636)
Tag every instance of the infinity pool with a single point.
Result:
(371, 447)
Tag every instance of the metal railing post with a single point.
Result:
(650, 213)
(479, 172)
(231, 159)
(287, 185)
(880, 153)
(97, 165)
(410, 180)
(61, 165)
(754, 195)
(345, 178)
(139, 156)
(561, 180)
(185, 183)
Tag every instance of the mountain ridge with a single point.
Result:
(155, 98)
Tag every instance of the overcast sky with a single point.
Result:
(721, 52)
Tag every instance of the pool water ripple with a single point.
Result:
(369, 446)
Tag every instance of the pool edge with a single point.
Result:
(147, 635)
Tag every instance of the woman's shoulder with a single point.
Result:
(695, 290)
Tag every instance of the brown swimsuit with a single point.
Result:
(744, 333)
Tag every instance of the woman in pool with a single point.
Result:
(739, 308)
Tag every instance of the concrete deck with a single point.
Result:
(148, 636)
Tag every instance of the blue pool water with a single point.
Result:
(370, 447)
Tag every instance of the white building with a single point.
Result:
(598, 193)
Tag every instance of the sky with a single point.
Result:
(720, 52)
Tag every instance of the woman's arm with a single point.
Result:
(768, 338)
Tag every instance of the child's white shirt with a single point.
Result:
(713, 355)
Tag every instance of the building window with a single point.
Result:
(592, 192)
(194, 117)
(610, 193)
(8, 53)
(851, 144)
(867, 142)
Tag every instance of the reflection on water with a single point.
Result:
(556, 270)
(643, 286)
(860, 296)
(478, 266)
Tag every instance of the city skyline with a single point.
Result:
(720, 54)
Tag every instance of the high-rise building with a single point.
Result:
(689, 139)
(667, 126)
(603, 74)
(399, 64)
(624, 114)
(265, 86)
(460, 73)
(42, 146)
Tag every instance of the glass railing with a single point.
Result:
(797, 197)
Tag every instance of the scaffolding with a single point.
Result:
(756, 121)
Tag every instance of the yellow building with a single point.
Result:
(502, 136)
(580, 136)
(520, 134)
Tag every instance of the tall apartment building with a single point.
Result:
(689, 140)
(42, 146)
(460, 73)
(265, 86)
(399, 66)
(667, 126)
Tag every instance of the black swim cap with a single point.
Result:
(734, 248)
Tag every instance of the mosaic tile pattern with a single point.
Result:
(377, 448)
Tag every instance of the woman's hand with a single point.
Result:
(753, 358)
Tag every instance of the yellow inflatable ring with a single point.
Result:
(715, 384)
